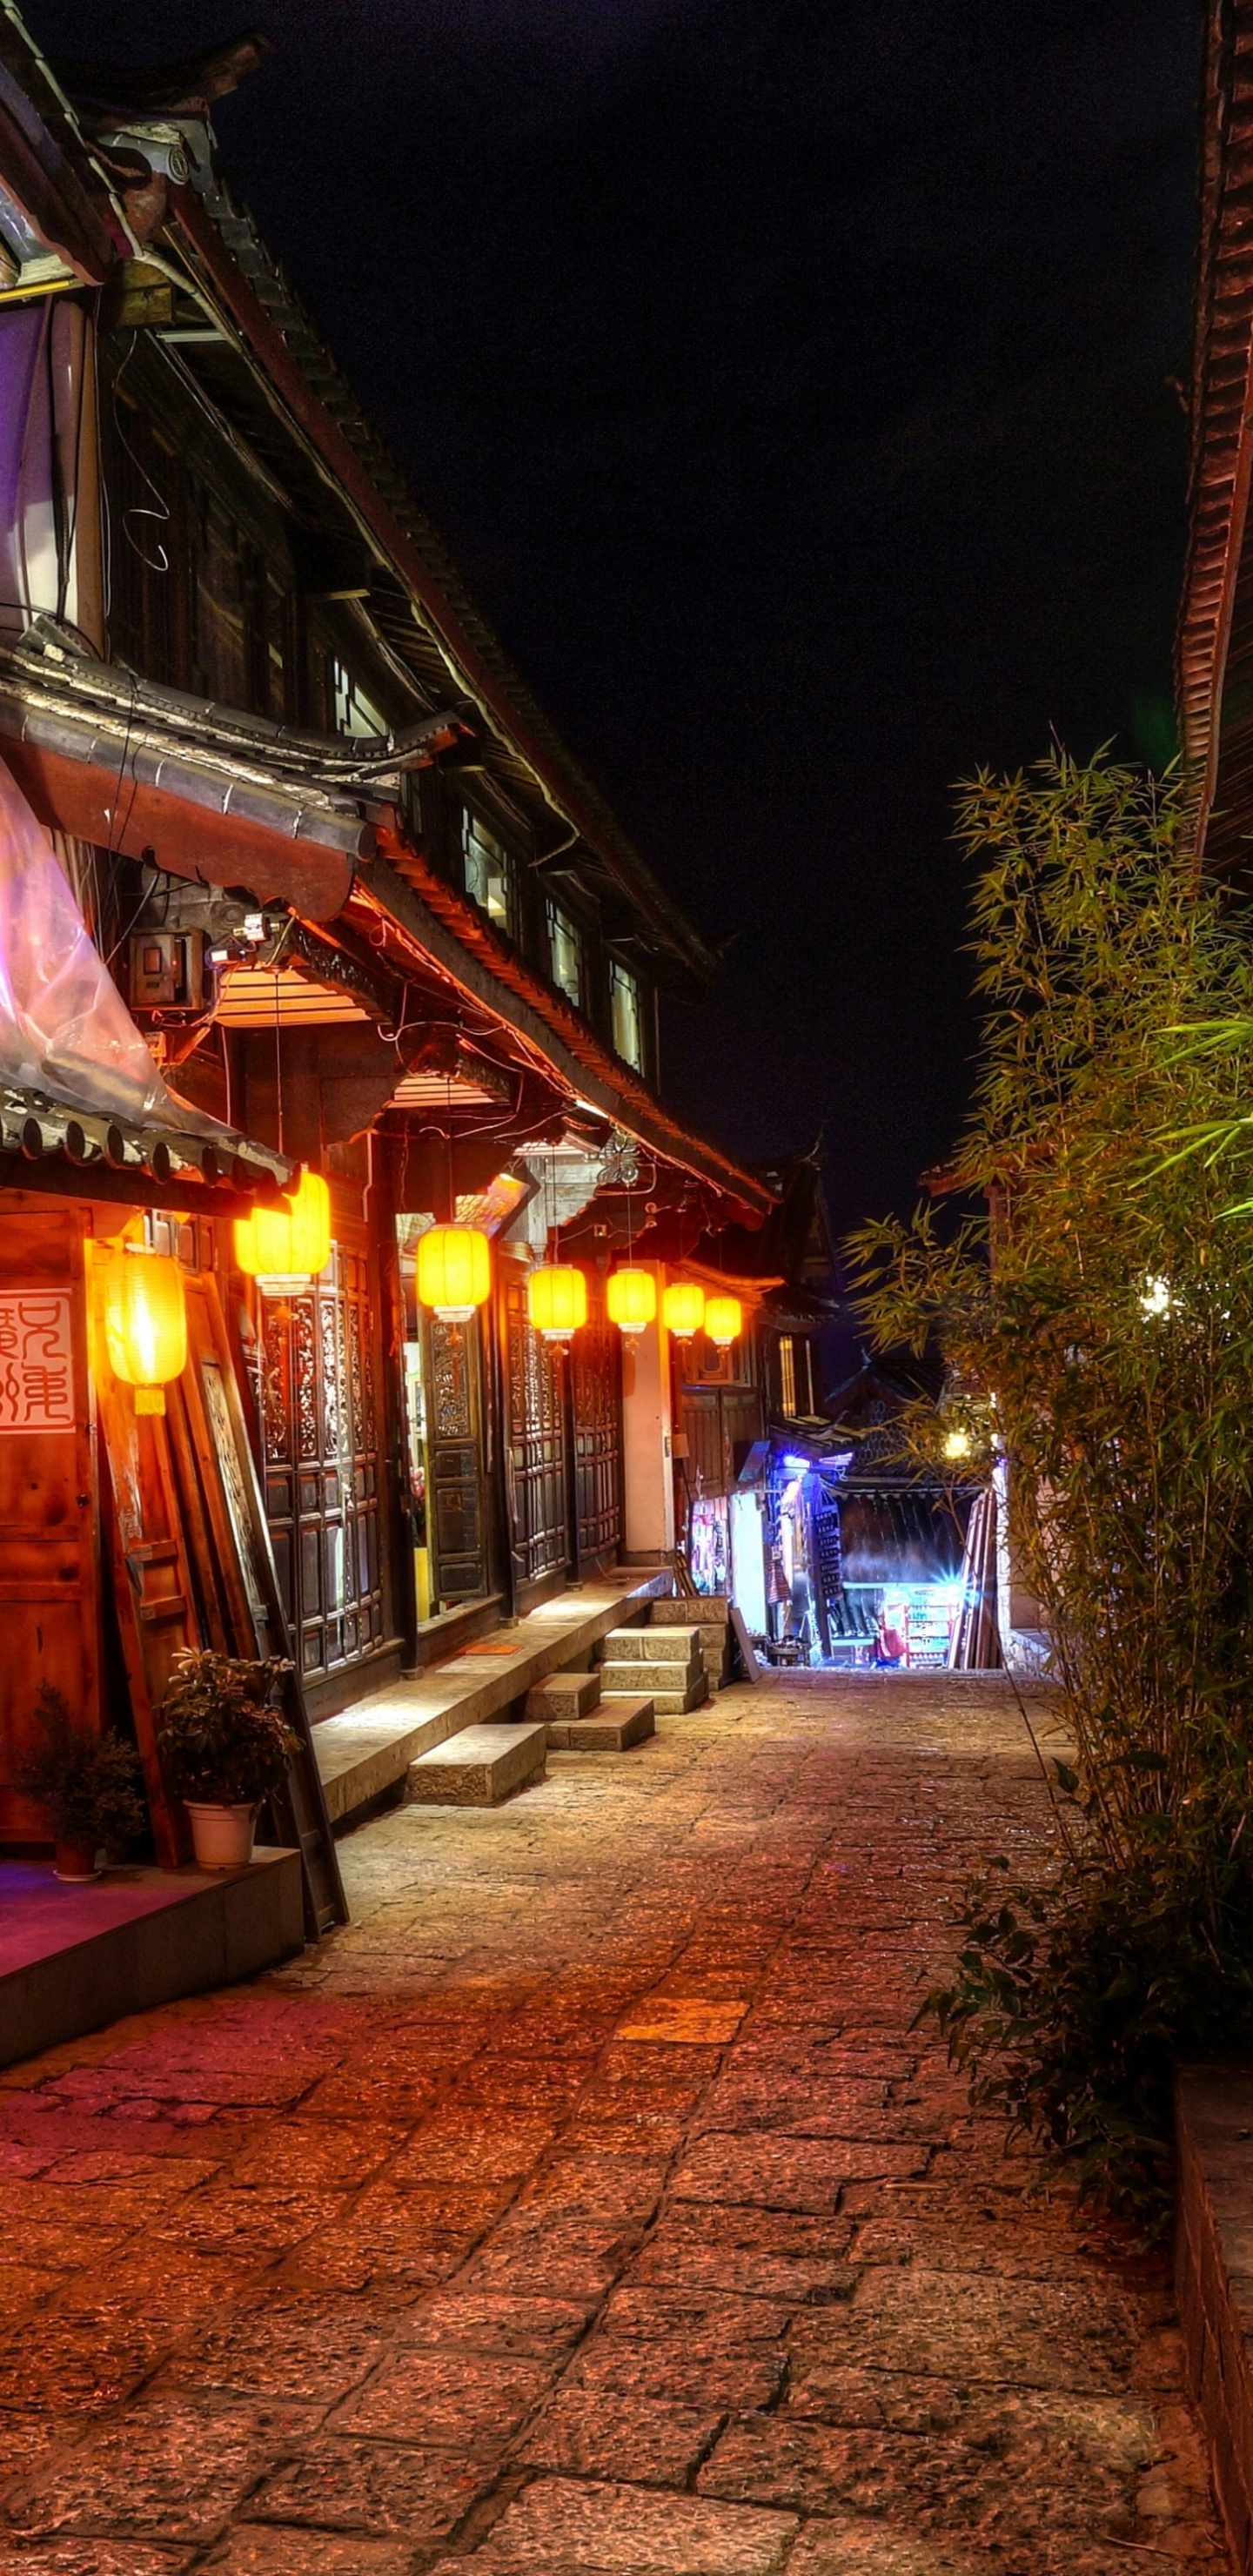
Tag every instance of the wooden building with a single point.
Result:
(362, 904)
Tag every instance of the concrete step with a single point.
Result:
(642, 1677)
(612, 1729)
(646, 1645)
(479, 1767)
(563, 1696)
(666, 1703)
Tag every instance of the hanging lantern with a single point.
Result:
(284, 1248)
(454, 1271)
(631, 1299)
(556, 1300)
(683, 1309)
(145, 1321)
(724, 1320)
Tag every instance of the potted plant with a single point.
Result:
(88, 1783)
(225, 1747)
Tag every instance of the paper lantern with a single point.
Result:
(454, 1271)
(145, 1319)
(556, 1300)
(284, 1248)
(631, 1298)
(683, 1309)
(724, 1320)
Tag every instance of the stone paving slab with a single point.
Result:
(591, 2206)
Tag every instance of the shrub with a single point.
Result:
(88, 1783)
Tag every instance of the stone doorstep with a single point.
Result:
(479, 1767)
(365, 1753)
(77, 1958)
(666, 1703)
(563, 1696)
(651, 1645)
(707, 1611)
(611, 1730)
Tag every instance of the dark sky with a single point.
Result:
(791, 381)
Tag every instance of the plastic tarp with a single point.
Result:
(64, 1027)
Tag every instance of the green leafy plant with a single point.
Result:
(1097, 1327)
(221, 1738)
(88, 1783)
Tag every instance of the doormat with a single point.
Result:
(460, 1652)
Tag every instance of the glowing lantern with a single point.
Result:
(631, 1298)
(556, 1300)
(957, 1444)
(683, 1309)
(454, 1271)
(724, 1319)
(285, 1247)
(145, 1321)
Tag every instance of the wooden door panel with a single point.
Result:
(596, 1367)
(316, 1406)
(537, 1444)
(49, 1503)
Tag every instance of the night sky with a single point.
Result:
(792, 383)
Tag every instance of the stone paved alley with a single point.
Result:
(591, 2205)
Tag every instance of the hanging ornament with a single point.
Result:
(454, 1271)
(556, 1300)
(631, 1299)
(724, 1320)
(683, 1309)
(145, 1321)
(285, 1248)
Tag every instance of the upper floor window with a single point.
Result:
(565, 955)
(355, 711)
(488, 872)
(628, 1021)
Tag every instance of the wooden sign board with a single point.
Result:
(744, 1645)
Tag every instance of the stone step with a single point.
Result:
(479, 1767)
(641, 1677)
(707, 1610)
(610, 1730)
(563, 1696)
(644, 1645)
(666, 1703)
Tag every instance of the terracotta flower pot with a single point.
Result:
(75, 1862)
(222, 1835)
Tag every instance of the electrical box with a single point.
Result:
(167, 970)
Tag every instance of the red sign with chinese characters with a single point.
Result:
(36, 1361)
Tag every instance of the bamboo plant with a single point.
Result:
(1096, 1319)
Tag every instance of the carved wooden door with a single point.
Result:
(456, 1516)
(538, 1491)
(596, 1363)
(320, 1438)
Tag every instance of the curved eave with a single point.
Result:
(193, 819)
